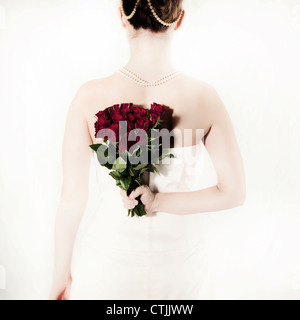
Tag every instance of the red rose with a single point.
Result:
(103, 115)
(97, 128)
(146, 123)
(130, 125)
(112, 108)
(125, 105)
(102, 121)
(158, 109)
(140, 112)
(142, 123)
(136, 117)
(124, 143)
(139, 124)
(100, 113)
(125, 108)
(154, 118)
(115, 128)
(131, 118)
(116, 116)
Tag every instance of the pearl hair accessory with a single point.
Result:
(160, 20)
(132, 13)
(167, 24)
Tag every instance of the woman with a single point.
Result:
(160, 255)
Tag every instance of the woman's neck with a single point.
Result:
(150, 56)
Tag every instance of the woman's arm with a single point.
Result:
(76, 157)
(223, 149)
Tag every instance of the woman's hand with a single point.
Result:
(61, 291)
(147, 198)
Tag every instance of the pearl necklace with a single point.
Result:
(132, 76)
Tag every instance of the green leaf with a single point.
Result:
(131, 172)
(107, 165)
(152, 138)
(156, 170)
(144, 169)
(152, 168)
(118, 184)
(139, 210)
(170, 155)
(157, 123)
(115, 174)
(134, 150)
(95, 146)
(140, 166)
(110, 153)
(152, 146)
(120, 164)
(125, 183)
(137, 181)
(141, 173)
(103, 157)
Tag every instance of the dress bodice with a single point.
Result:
(190, 170)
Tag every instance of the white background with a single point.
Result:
(248, 50)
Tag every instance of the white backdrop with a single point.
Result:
(248, 50)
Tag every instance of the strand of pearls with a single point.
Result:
(133, 11)
(167, 24)
(132, 76)
(159, 19)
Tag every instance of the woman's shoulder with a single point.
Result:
(92, 86)
(203, 91)
(92, 92)
(206, 95)
(197, 83)
(192, 82)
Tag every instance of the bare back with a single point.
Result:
(183, 95)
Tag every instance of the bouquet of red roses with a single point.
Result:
(131, 145)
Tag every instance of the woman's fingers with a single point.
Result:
(129, 203)
(123, 193)
(147, 198)
(138, 191)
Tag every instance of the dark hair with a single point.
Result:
(167, 10)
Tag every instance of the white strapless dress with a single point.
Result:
(157, 256)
